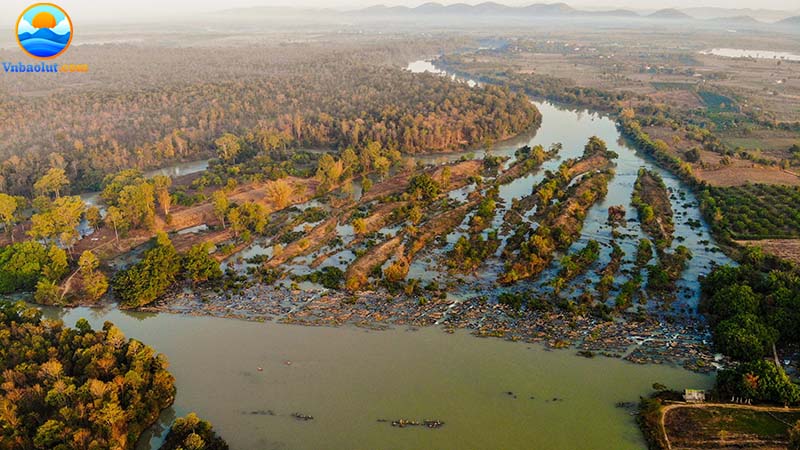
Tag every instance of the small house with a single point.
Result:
(694, 396)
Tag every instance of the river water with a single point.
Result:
(573, 128)
(490, 393)
(348, 378)
(743, 53)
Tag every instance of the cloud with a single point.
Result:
(25, 27)
(62, 28)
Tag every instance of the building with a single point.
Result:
(694, 396)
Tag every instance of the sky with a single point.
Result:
(125, 10)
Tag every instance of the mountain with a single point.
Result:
(790, 21)
(47, 35)
(669, 13)
(545, 9)
(736, 20)
(611, 13)
(762, 15)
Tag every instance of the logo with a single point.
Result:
(44, 31)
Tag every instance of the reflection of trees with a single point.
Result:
(158, 431)
(138, 315)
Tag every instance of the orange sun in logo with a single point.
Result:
(44, 20)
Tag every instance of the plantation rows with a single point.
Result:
(754, 211)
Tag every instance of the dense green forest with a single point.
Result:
(66, 388)
(754, 308)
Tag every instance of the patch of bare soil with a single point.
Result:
(741, 172)
(788, 249)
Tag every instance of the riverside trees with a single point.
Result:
(75, 387)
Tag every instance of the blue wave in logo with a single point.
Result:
(44, 43)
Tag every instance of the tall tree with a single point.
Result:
(60, 222)
(228, 147)
(95, 282)
(116, 219)
(221, 205)
(279, 193)
(162, 184)
(52, 182)
(8, 213)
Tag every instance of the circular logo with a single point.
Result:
(44, 31)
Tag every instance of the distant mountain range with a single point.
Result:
(47, 35)
(718, 15)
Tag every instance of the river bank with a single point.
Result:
(641, 339)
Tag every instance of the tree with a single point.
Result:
(47, 292)
(279, 193)
(199, 265)
(359, 226)
(744, 337)
(95, 283)
(221, 205)
(52, 182)
(60, 222)
(62, 377)
(192, 433)
(94, 217)
(235, 221)
(8, 213)
(161, 184)
(759, 380)
(23, 264)
(424, 186)
(114, 183)
(117, 220)
(137, 204)
(147, 280)
(732, 300)
(228, 147)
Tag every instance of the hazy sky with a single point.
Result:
(92, 10)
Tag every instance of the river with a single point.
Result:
(348, 378)
(490, 393)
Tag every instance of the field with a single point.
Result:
(727, 427)
(788, 249)
(756, 211)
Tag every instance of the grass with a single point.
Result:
(672, 86)
(718, 102)
(693, 427)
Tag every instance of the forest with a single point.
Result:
(753, 309)
(75, 388)
(325, 103)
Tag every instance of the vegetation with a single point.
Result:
(758, 380)
(149, 278)
(528, 253)
(198, 264)
(753, 306)
(753, 211)
(651, 200)
(24, 265)
(192, 433)
(75, 388)
(323, 101)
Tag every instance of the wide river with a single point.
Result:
(247, 378)
(348, 378)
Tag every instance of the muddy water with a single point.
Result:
(348, 378)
